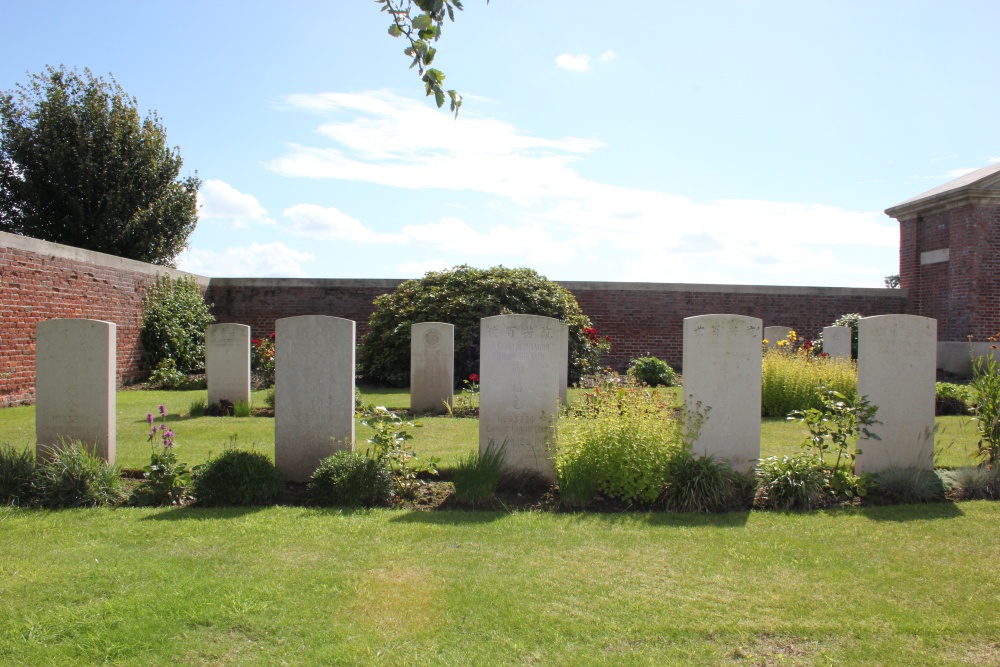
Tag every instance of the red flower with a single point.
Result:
(474, 378)
(255, 342)
(272, 336)
(607, 339)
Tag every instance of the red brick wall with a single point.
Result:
(41, 281)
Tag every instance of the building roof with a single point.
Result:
(981, 184)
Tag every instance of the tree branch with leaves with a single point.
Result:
(421, 30)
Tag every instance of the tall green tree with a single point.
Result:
(79, 166)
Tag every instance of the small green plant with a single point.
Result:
(241, 409)
(986, 384)
(699, 484)
(791, 482)
(623, 434)
(269, 398)
(17, 470)
(388, 443)
(954, 399)
(653, 372)
(167, 481)
(973, 483)
(908, 485)
(350, 479)
(833, 428)
(237, 477)
(467, 404)
(166, 376)
(174, 318)
(198, 407)
(70, 476)
(477, 475)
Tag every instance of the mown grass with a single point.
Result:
(906, 585)
(444, 437)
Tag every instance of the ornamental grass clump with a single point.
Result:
(796, 482)
(17, 470)
(791, 374)
(908, 485)
(618, 440)
(70, 476)
(702, 484)
(478, 474)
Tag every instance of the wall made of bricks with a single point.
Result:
(41, 281)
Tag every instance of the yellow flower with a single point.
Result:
(766, 341)
(792, 336)
(782, 343)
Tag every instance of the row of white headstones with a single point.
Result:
(523, 371)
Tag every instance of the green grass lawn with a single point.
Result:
(905, 585)
(444, 437)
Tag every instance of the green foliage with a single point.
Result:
(623, 435)
(700, 484)
(973, 483)
(70, 476)
(388, 444)
(954, 399)
(790, 380)
(892, 281)
(832, 428)
(462, 296)
(174, 318)
(241, 409)
(237, 477)
(198, 407)
(848, 320)
(791, 482)
(166, 376)
(167, 481)
(477, 475)
(652, 371)
(269, 398)
(17, 470)
(421, 31)
(262, 362)
(79, 166)
(349, 479)
(986, 384)
(908, 485)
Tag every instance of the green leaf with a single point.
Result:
(395, 30)
(423, 22)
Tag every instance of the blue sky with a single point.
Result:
(701, 142)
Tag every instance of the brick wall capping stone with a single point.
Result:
(387, 284)
(978, 187)
(57, 250)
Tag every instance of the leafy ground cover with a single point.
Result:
(444, 437)
(904, 585)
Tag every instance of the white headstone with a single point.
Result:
(519, 371)
(564, 361)
(722, 371)
(897, 357)
(773, 334)
(837, 342)
(227, 362)
(75, 370)
(313, 391)
(432, 367)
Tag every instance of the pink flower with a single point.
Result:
(149, 417)
(163, 410)
(474, 378)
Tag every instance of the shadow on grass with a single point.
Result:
(923, 512)
(455, 517)
(195, 513)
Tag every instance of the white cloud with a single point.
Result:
(418, 269)
(575, 63)
(267, 260)
(994, 160)
(555, 214)
(608, 56)
(220, 201)
(956, 173)
(327, 223)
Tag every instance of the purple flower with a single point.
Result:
(149, 417)
(163, 410)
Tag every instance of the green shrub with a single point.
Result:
(70, 476)
(166, 376)
(477, 475)
(624, 435)
(953, 399)
(262, 362)
(462, 296)
(973, 483)
(700, 484)
(237, 477)
(350, 479)
(269, 399)
(198, 407)
(174, 318)
(791, 482)
(241, 409)
(17, 470)
(652, 371)
(790, 380)
(986, 385)
(908, 485)
(389, 445)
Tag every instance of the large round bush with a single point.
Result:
(351, 478)
(462, 296)
(237, 477)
